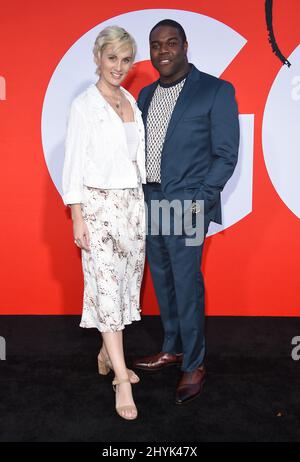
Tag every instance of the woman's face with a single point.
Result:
(115, 64)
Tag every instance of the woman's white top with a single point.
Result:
(132, 136)
(97, 152)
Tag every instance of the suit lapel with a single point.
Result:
(185, 98)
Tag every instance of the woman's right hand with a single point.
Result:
(81, 234)
(80, 229)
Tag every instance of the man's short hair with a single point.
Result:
(171, 23)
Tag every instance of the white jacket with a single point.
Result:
(96, 152)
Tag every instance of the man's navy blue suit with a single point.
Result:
(199, 155)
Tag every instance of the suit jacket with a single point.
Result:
(200, 150)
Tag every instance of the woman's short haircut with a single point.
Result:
(113, 35)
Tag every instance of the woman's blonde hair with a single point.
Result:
(112, 35)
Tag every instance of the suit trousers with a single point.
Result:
(178, 281)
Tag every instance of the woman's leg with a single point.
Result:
(104, 356)
(113, 342)
(103, 350)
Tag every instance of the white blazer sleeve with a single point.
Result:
(75, 150)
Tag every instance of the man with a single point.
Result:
(192, 138)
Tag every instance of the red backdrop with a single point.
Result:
(250, 269)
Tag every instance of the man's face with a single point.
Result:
(167, 51)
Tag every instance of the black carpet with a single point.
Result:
(51, 390)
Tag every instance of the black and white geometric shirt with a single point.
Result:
(159, 115)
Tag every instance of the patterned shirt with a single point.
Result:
(159, 115)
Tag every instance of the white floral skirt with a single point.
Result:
(113, 268)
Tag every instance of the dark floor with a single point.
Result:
(51, 391)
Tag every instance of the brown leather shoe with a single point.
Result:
(190, 385)
(158, 362)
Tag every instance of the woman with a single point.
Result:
(103, 173)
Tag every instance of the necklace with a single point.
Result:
(118, 105)
(117, 102)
